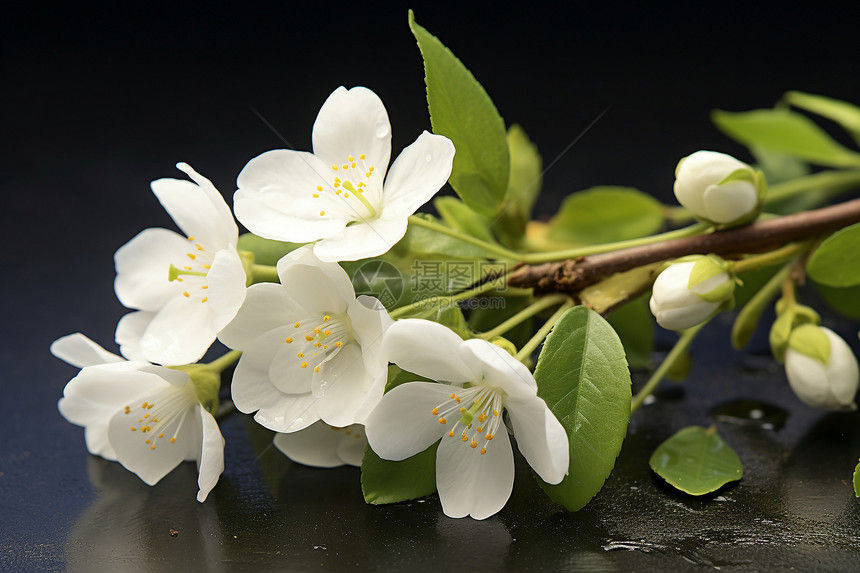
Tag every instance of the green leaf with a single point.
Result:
(462, 111)
(606, 214)
(759, 289)
(845, 114)
(266, 251)
(856, 480)
(460, 216)
(634, 325)
(583, 377)
(836, 262)
(696, 461)
(845, 301)
(384, 481)
(787, 132)
(427, 242)
(445, 313)
(524, 184)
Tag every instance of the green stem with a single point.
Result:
(542, 333)
(487, 286)
(528, 312)
(264, 274)
(677, 351)
(692, 230)
(771, 258)
(439, 228)
(222, 363)
(825, 181)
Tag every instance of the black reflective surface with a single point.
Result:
(98, 102)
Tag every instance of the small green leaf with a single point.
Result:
(634, 325)
(583, 377)
(787, 132)
(856, 480)
(443, 312)
(845, 114)
(845, 301)
(524, 184)
(836, 262)
(421, 241)
(696, 461)
(462, 111)
(460, 216)
(606, 214)
(384, 481)
(266, 251)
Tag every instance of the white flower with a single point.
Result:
(474, 461)
(718, 188)
(311, 350)
(147, 417)
(688, 292)
(335, 196)
(185, 289)
(821, 368)
(324, 446)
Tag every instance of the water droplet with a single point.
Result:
(382, 130)
(751, 413)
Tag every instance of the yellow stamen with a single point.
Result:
(304, 364)
(297, 324)
(435, 411)
(322, 213)
(185, 294)
(289, 340)
(172, 440)
(474, 444)
(443, 421)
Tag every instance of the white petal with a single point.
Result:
(352, 447)
(428, 349)
(498, 367)
(142, 267)
(362, 240)
(226, 292)
(285, 370)
(275, 198)
(180, 333)
(211, 455)
(417, 174)
(344, 387)
(540, 437)
(730, 201)
(129, 333)
(402, 425)
(316, 445)
(198, 209)
(352, 122)
(316, 286)
(471, 483)
(78, 350)
(267, 306)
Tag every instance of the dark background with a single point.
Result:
(98, 100)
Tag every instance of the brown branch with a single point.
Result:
(573, 275)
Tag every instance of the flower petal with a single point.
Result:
(129, 332)
(347, 391)
(428, 349)
(267, 306)
(353, 122)
(540, 437)
(275, 198)
(498, 367)
(179, 334)
(362, 240)
(352, 447)
(471, 483)
(226, 292)
(417, 174)
(370, 320)
(211, 463)
(197, 208)
(78, 350)
(142, 266)
(315, 446)
(402, 424)
(316, 286)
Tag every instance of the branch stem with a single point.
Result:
(531, 310)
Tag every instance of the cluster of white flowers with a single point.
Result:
(314, 357)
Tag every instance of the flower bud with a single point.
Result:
(689, 291)
(718, 188)
(821, 368)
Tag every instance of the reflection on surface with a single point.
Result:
(132, 526)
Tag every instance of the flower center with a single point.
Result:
(162, 420)
(318, 343)
(476, 413)
(193, 272)
(352, 189)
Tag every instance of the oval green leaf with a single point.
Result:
(463, 218)
(845, 114)
(583, 377)
(606, 214)
(845, 301)
(696, 461)
(462, 111)
(524, 184)
(786, 132)
(836, 262)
